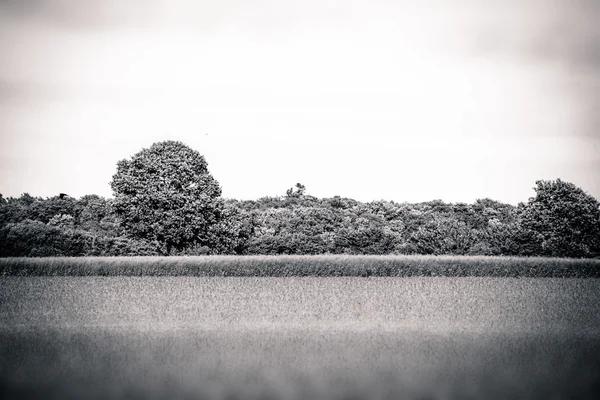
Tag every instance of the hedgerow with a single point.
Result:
(288, 266)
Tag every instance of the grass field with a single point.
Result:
(323, 265)
(299, 337)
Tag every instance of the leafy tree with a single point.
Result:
(233, 231)
(30, 238)
(44, 210)
(26, 199)
(297, 191)
(62, 221)
(293, 230)
(120, 246)
(443, 235)
(564, 218)
(36, 239)
(16, 209)
(97, 216)
(365, 230)
(339, 202)
(166, 194)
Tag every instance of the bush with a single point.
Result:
(36, 239)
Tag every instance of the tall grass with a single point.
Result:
(321, 265)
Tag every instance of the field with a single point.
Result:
(299, 337)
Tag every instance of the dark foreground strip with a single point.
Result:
(285, 266)
(100, 364)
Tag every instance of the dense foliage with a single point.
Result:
(167, 203)
(563, 219)
(165, 194)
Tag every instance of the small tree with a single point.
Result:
(297, 191)
(166, 194)
(564, 218)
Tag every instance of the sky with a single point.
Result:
(378, 99)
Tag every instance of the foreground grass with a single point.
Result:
(287, 266)
(288, 365)
(299, 338)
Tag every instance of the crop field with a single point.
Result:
(299, 337)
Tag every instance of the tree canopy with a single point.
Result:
(166, 194)
(564, 219)
(167, 203)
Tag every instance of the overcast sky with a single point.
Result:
(395, 100)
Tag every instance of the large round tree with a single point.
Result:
(166, 194)
(565, 219)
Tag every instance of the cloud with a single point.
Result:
(557, 32)
(562, 38)
(74, 14)
(131, 72)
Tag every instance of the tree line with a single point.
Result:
(167, 203)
